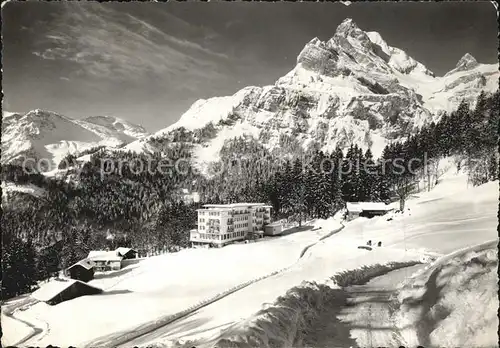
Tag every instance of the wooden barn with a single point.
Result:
(82, 270)
(366, 209)
(126, 253)
(58, 291)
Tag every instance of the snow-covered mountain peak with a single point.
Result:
(348, 28)
(397, 58)
(351, 49)
(466, 62)
(377, 39)
(49, 136)
(315, 41)
(9, 117)
(353, 89)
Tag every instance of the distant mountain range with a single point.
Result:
(47, 135)
(352, 89)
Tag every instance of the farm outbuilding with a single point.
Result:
(366, 209)
(273, 229)
(58, 291)
(82, 270)
(126, 253)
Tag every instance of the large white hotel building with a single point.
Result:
(220, 224)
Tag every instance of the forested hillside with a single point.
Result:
(112, 195)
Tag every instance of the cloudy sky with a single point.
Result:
(148, 62)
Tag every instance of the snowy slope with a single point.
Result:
(436, 227)
(48, 137)
(116, 127)
(449, 217)
(165, 284)
(463, 290)
(353, 88)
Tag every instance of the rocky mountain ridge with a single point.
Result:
(352, 89)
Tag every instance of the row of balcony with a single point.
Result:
(194, 236)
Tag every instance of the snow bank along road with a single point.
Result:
(157, 327)
(368, 314)
(451, 303)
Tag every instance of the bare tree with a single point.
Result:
(403, 188)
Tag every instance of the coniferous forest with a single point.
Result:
(146, 209)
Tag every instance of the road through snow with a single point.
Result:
(15, 330)
(369, 311)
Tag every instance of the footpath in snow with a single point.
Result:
(450, 303)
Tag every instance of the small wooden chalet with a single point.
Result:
(366, 209)
(126, 253)
(82, 270)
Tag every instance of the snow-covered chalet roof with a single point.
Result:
(123, 251)
(85, 263)
(358, 207)
(50, 290)
(102, 255)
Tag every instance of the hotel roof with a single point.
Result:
(361, 206)
(102, 255)
(237, 205)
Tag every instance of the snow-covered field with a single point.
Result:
(13, 329)
(166, 284)
(450, 217)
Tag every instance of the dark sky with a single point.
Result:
(148, 62)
